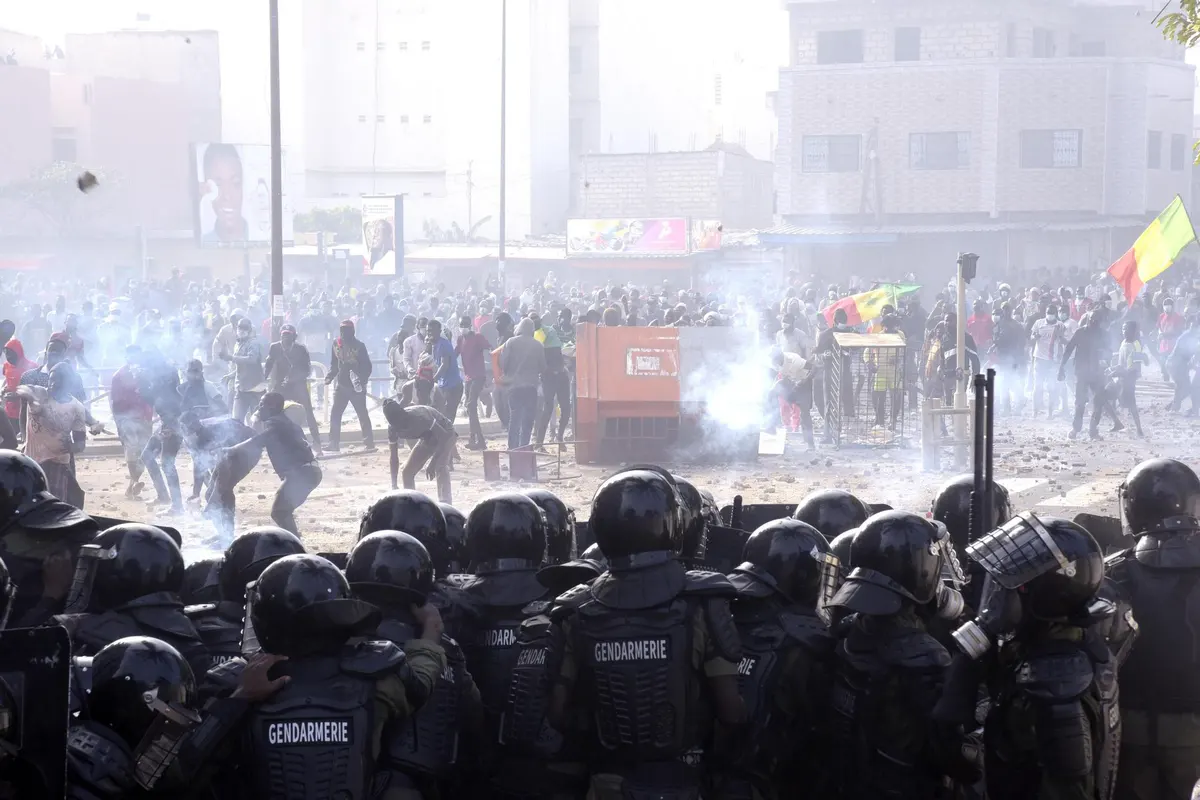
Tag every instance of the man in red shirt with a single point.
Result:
(133, 415)
(472, 348)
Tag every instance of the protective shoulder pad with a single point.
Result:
(224, 678)
(1056, 677)
(202, 610)
(534, 627)
(810, 632)
(1116, 565)
(713, 584)
(567, 603)
(915, 650)
(453, 650)
(537, 608)
(372, 659)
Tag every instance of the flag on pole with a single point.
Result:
(1155, 250)
(867, 306)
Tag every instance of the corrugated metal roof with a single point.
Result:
(955, 227)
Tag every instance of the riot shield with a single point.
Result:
(756, 514)
(337, 559)
(724, 550)
(1107, 532)
(35, 682)
(109, 522)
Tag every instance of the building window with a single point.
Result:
(1051, 149)
(404, 119)
(1010, 40)
(63, 145)
(840, 47)
(1043, 43)
(425, 47)
(1178, 152)
(939, 150)
(717, 90)
(428, 119)
(361, 46)
(380, 118)
(908, 44)
(576, 59)
(403, 46)
(362, 117)
(832, 153)
(381, 45)
(1153, 149)
(1093, 49)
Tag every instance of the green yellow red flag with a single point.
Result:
(1155, 250)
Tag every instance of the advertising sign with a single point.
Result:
(651, 362)
(627, 236)
(383, 235)
(232, 200)
(706, 235)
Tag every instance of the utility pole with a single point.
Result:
(276, 181)
(503, 132)
(470, 187)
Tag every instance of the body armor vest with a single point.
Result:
(220, 628)
(524, 730)
(311, 740)
(880, 734)
(427, 742)
(1068, 690)
(1162, 672)
(159, 615)
(99, 764)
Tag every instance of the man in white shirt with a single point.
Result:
(1049, 338)
(794, 389)
(791, 339)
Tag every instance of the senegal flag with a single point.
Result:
(1155, 250)
(869, 305)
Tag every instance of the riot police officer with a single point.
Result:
(832, 511)
(200, 582)
(889, 670)
(416, 514)
(560, 525)
(952, 507)
(647, 652)
(783, 585)
(35, 526)
(506, 542)
(694, 543)
(1160, 682)
(127, 583)
(393, 571)
(456, 535)
(220, 623)
(1053, 727)
(136, 682)
(320, 735)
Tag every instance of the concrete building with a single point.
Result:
(405, 99)
(723, 183)
(1036, 133)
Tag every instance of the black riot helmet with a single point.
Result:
(200, 584)
(898, 557)
(301, 605)
(840, 547)
(711, 512)
(1053, 564)
(1160, 496)
(250, 554)
(695, 526)
(790, 558)
(505, 532)
(122, 564)
(456, 537)
(25, 496)
(8, 591)
(560, 525)
(132, 679)
(416, 514)
(636, 512)
(832, 511)
(952, 508)
(389, 568)
(596, 556)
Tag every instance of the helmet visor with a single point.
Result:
(831, 580)
(1019, 551)
(160, 745)
(79, 596)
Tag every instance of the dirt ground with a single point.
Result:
(1034, 458)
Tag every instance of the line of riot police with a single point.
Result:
(849, 655)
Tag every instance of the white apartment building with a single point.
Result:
(403, 97)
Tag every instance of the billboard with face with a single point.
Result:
(383, 235)
(233, 195)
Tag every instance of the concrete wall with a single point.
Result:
(24, 137)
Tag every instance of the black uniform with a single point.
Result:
(890, 671)
(1160, 682)
(127, 583)
(785, 671)
(641, 647)
(293, 461)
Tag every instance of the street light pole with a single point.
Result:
(276, 181)
(503, 132)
